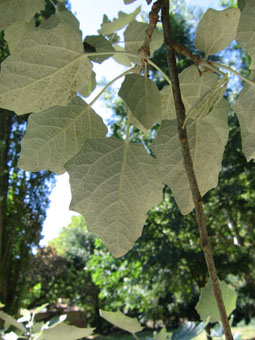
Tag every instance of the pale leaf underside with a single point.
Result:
(245, 110)
(21, 10)
(121, 21)
(122, 321)
(142, 98)
(207, 305)
(54, 136)
(217, 29)
(48, 68)
(114, 186)
(16, 31)
(207, 139)
(100, 44)
(246, 31)
(66, 332)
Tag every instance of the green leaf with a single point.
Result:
(56, 135)
(241, 4)
(48, 68)
(189, 330)
(217, 29)
(40, 308)
(142, 98)
(22, 10)
(114, 185)
(207, 305)
(121, 58)
(207, 139)
(162, 335)
(122, 321)
(245, 110)
(87, 90)
(16, 31)
(246, 30)
(66, 332)
(117, 24)
(126, 2)
(134, 37)
(11, 321)
(100, 44)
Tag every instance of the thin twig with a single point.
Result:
(188, 164)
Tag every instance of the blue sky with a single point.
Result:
(90, 14)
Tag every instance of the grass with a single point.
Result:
(248, 333)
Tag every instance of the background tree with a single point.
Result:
(24, 199)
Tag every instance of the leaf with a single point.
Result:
(207, 139)
(246, 30)
(22, 10)
(40, 308)
(188, 330)
(10, 336)
(207, 305)
(162, 335)
(56, 135)
(245, 110)
(127, 2)
(11, 321)
(47, 69)
(121, 58)
(217, 29)
(142, 98)
(117, 24)
(16, 31)
(66, 332)
(122, 321)
(87, 90)
(100, 44)
(134, 37)
(114, 185)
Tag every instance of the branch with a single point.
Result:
(188, 164)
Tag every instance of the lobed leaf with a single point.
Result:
(48, 68)
(54, 136)
(121, 21)
(89, 88)
(142, 98)
(245, 110)
(134, 37)
(207, 139)
(22, 10)
(122, 321)
(66, 332)
(11, 321)
(207, 305)
(121, 58)
(162, 335)
(217, 29)
(246, 30)
(114, 185)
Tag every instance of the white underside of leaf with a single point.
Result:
(48, 68)
(207, 139)
(122, 321)
(114, 186)
(245, 110)
(54, 136)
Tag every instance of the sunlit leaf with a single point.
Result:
(54, 136)
(207, 139)
(121, 58)
(66, 332)
(113, 186)
(246, 30)
(245, 110)
(134, 37)
(122, 321)
(48, 68)
(11, 321)
(22, 10)
(16, 31)
(162, 335)
(207, 305)
(126, 2)
(117, 24)
(142, 98)
(88, 89)
(217, 29)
